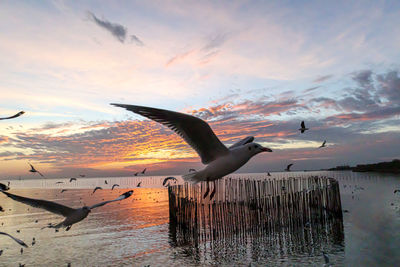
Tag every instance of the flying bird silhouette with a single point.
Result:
(72, 179)
(22, 243)
(71, 215)
(14, 116)
(143, 171)
(97, 188)
(62, 191)
(219, 159)
(303, 127)
(268, 174)
(323, 144)
(138, 185)
(114, 185)
(34, 170)
(167, 179)
(105, 181)
(288, 167)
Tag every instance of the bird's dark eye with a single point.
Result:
(249, 147)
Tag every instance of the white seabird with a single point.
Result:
(71, 215)
(219, 159)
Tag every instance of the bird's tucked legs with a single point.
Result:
(208, 189)
(214, 190)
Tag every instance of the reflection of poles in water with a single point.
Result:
(254, 207)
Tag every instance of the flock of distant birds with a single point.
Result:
(219, 159)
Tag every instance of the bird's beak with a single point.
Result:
(266, 149)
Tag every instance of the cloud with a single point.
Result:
(3, 139)
(363, 78)
(390, 86)
(117, 30)
(215, 41)
(322, 78)
(136, 40)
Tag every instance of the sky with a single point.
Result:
(248, 68)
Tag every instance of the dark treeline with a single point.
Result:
(389, 167)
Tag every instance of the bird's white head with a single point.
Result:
(254, 148)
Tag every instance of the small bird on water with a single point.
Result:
(71, 215)
(220, 160)
(303, 127)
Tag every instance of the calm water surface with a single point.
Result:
(136, 231)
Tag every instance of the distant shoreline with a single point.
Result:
(384, 167)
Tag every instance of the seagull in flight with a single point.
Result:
(71, 215)
(303, 127)
(97, 188)
(323, 144)
(143, 171)
(167, 179)
(288, 167)
(14, 116)
(34, 170)
(114, 185)
(138, 185)
(22, 243)
(220, 160)
(72, 179)
(268, 174)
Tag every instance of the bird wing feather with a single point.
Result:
(121, 197)
(242, 142)
(196, 132)
(42, 204)
(19, 241)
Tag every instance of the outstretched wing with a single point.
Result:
(42, 204)
(242, 142)
(196, 132)
(13, 116)
(19, 241)
(114, 185)
(121, 197)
